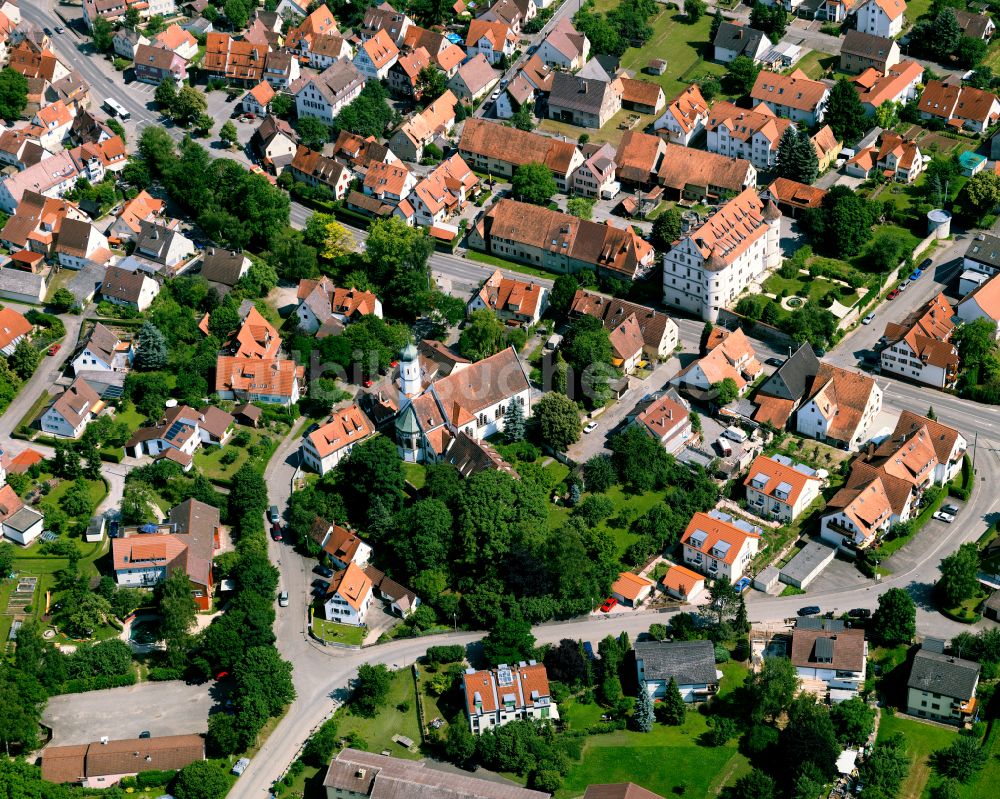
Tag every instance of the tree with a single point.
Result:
(962, 760)
(483, 336)
(975, 341)
(460, 744)
(13, 94)
(755, 785)
(580, 207)
(431, 84)
(337, 242)
(313, 132)
(263, 677)
(725, 599)
(564, 288)
(237, 12)
(599, 473)
(666, 229)
(523, 119)
(894, 621)
(62, 300)
(513, 423)
(643, 711)
(188, 105)
(558, 420)
(6, 559)
(375, 465)
(371, 689)
(566, 663)
(771, 690)
(946, 34)
(24, 359)
(21, 701)
(797, 159)
(132, 17)
(721, 730)
(137, 499)
(202, 779)
(203, 124)
(742, 622)
(103, 34)
(223, 738)
(151, 353)
(853, 721)
(166, 94)
(177, 613)
(672, 709)
(809, 737)
(533, 183)
(930, 413)
(844, 112)
(949, 788)
(87, 614)
(887, 114)
(510, 641)
(726, 391)
(980, 195)
(694, 10)
(958, 575)
(742, 74)
(717, 21)
(228, 134)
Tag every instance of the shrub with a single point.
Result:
(229, 457)
(445, 654)
(721, 654)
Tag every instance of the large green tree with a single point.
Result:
(666, 229)
(558, 420)
(771, 690)
(742, 74)
(844, 113)
(371, 689)
(510, 641)
(894, 621)
(13, 94)
(533, 183)
(958, 575)
(177, 614)
(484, 335)
(203, 779)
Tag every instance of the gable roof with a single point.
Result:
(843, 650)
(639, 155)
(688, 662)
(352, 585)
(12, 326)
(165, 753)
(685, 166)
(739, 38)
(223, 266)
(842, 397)
(380, 49)
(867, 45)
(123, 284)
(688, 107)
(470, 456)
(476, 73)
(621, 790)
(943, 674)
(893, 8)
(769, 474)
(947, 101)
(496, 33)
(794, 91)
(76, 402)
(346, 427)
(743, 123)
(708, 531)
(865, 501)
(630, 585)
(493, 140)
(927, 331)
(566, 39)
(800, 195)
(502, 293)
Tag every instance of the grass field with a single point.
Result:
(208, 458)
(415, 473)
(668, 760)
(510, 266)
(921, 741)
(391, 720)
(339, 633)
(633, 506)
(98, 490)
(815, 64)
(817, 288)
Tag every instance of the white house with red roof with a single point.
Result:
(719, 545)
(857, 514)
(631, 590)
(681, 583)
(920, 348)
(510, 299)
(881, 17)
(496, 697)
(730, 355)
(349, 597)
(779, 488)
(685, 117)
(329, 444)
(376, 55)
(341, 546)
(668, 420)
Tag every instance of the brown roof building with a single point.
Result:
(498, 149)
(919, 347)
(639, 157)
(103, 764)
(794, 96)
(620, 790)
(497, 696)
(959, 106)
(691, 173)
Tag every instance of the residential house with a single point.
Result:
(668, 420)
(235, 60)
(907, 456)
(401, 600)
(287, 9)
(587, 102)
(719, 545)
(792, 197)
(274, 381)
(736, 40)
(729, 355)
(473, 399)
(794, 96)
(862, 51)
(690, 664)
(104, 763)
(115, 10)
(512, 12)
(526, 233)
(130, 289)
(164, 246)
(224, 267)
(537, 74)
(319, 23)
(513, 301)
(275, 142)
(685, 117)
(403, 75)
(384, 18)
(13, 330)
(564, 48)
(36, 224)
(442, 193)
(983, 254)
(881, 17)
(180, 431)
(20, 150)
(326, 446)
(375, 56)
(839, 407)
(631, 590)
(749, 134)
(257, 101)
(492, 40)
(942, 687)
(341, 546)
(51, 177)
(50, 125)
(349, 596)
(495, 697)
(643, 96)
(859, 513)
(18, 522)
(659, 331)
(977, 25)
(830, 662)
(707, 177)
(72, 90)
(919, 347)
(950, 446)
(321, 304)
(497, 149)
(386, 776)
(470, 457)
(681, 583)
(959, 106)
(639, 158)
(713, 263)
(21, 286)
(436, 120)
(315, 169)
(827, 147)
(177, 40)
(899, 85)
(71, 412)
(103, 351)
(779, 488)
(329, 49)
(837, 10)
(595, 177)
(389, 183)
(141, 208)
(281, 70)
(896, 158)
(473, 79)
(126, 40)
(187, 541)
(81, 243)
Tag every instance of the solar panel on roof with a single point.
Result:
(175, 428)
(505, 677)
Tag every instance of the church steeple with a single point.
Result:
(409, 374)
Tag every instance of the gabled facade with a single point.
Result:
(511, 300)
(498, 696)
(328, 445)
(942, 687)
(749, 134)
(959, 106)
(881, 17)
(375, 56)
(719, 545)
(71, 412)
(794, 96)
(839, 408)
(103, 351)
(499, 150)
(778, 488)
(349, 597)
(341, 546)
(324, 95)
(315, 169)
(320, 301)
(685, 117)
(836, 659)
(919, 348)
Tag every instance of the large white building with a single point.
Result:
(349, 597)
(713, 263)
(329, 444)
(719, 545)
(498, 696)
(882, 17)
(743, 133)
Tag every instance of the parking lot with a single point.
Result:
(163, 708)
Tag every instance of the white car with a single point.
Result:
(944, 516)
(283, 599)
(868, 319)
(590, 428)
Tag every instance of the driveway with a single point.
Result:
(163, 708)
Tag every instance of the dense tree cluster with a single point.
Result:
(797, 158)
(626, 25)
(940, 38)
(369, 114)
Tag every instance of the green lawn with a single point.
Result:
(97, 488)
(128, 414)
(817, 288)
(634, 506)
(391, 720)
(208, 458)
(990, 775)
(815, 64)
(511, 266)
(921, 740)
(668, 760)
(339, 633)
(416, 473)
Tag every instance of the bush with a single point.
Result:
(445, 654)
(154, 779)
(161, 674)
(721, 654)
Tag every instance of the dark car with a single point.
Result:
(859, 613)
(319, 568)
(276, 532)
(145, 734)
(113, 530)
(777, 363)
(47, 31)
(809, 610)
(321, 590)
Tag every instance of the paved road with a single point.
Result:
(170, 708)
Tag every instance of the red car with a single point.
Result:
(609, 603)
(892, 294)
(53, 349)
(367, 383)
(394, 364)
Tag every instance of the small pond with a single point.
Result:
(145, 631)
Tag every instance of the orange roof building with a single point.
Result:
(234, 59)
(792, 196)
(491, 147)
(779, 488)
(719, 545)
(749, 134)
(919, 347)
(959, 106)
(329, 444)
(513, 300)
(631, 590)
(731, 356)
(685, 117)
(324, 308)
(794, 96)
(668, 420)
(13, 328)
(840, 407)
(498, 696)
(349, 596)
(682, 583)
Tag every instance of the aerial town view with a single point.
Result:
(499, 399)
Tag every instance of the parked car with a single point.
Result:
(742, 584)
(283, 599)
(326, 571)
(809, 610)
(947, 514)
(112, 529)
(868, 319)
(892, 294)
(272, 514)
(276, 532)
(241, 766)
(777, 363)
(609, 603)
(60, 29)
(53, 349)
(859, 613)
(145, 734)
(590, 428)
(917, 274)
